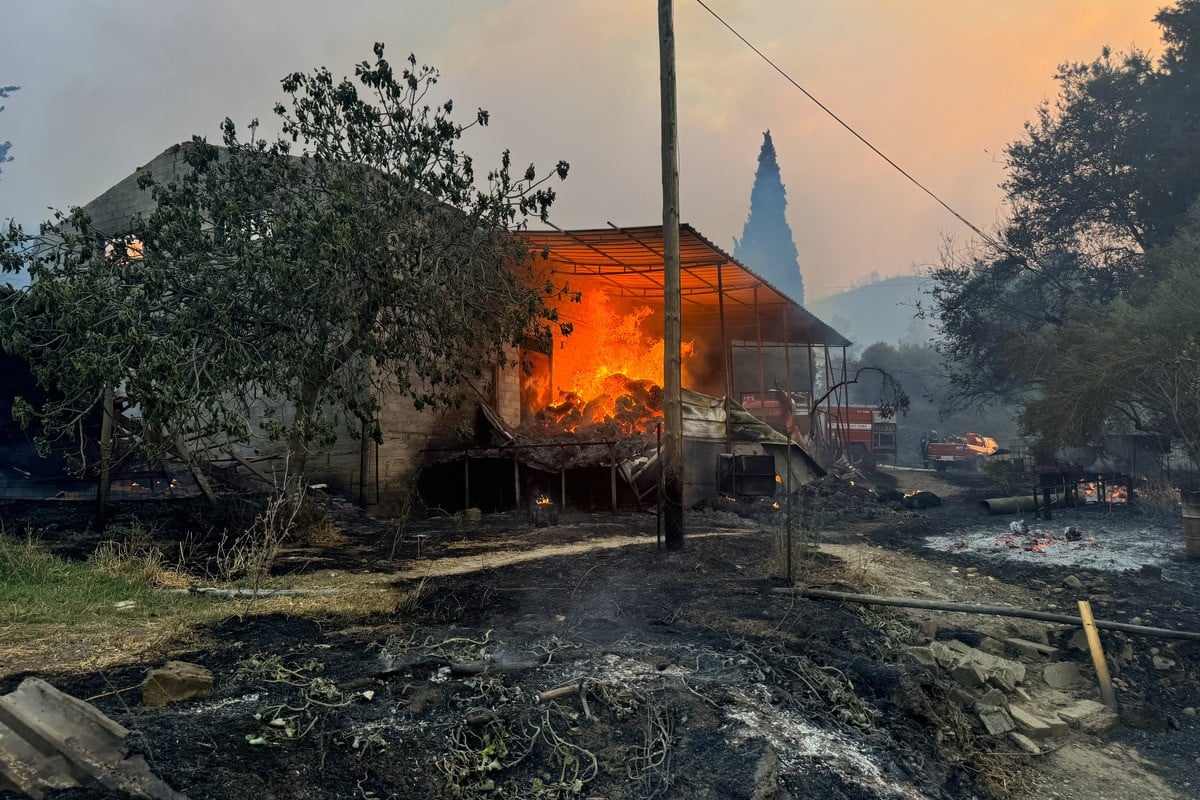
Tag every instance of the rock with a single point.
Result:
(1100, 586)
(1162, 663)
(993, 647)
(943, 655)
(1071, 582)
(1032, 648)
(1135, 621)
(995, 720)
(1057, 726)
(994, 698)
(1190, 711)
(1061, 675)
(969, 673)
(174, 682)
(922, 655)
(473, 514)
(1025, 743)
(1030, 723)
(1089, 716)
(1151, 571)
(1079, 641)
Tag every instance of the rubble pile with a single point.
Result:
(994, 688)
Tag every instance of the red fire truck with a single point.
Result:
(863, 431)
(967, 452)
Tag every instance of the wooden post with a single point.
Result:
(363, 457)
(726, 361)
(673, 467)
(762, 384)
(517, 480)
(105, 485)
(466, 480)
(1093, 639)
(789, 426)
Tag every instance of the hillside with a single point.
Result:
(877, 312)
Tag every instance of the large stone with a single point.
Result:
(1030, 724)
(174, 682)
(1025, 743)
(922, 655)
(995, 720)
(1089, 716)
(1061, 675)
(994, 698)
(1072, 582)
(1031, 648)
(1163, 663)
(968, 674)
(1079, 641)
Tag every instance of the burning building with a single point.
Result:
(575, 417)
(593, 400)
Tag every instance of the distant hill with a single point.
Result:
(878, 312)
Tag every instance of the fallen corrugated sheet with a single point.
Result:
(50, 740)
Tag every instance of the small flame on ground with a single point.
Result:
(542, 500)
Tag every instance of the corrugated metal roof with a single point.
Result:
(630, 262)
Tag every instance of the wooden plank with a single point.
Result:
(1093, 637)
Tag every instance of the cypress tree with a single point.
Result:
(766, 245)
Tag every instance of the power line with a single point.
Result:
(974, 228)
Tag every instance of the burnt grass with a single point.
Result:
(668, 646)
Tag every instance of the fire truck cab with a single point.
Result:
(865, 434)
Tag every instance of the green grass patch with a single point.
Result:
(36, 586)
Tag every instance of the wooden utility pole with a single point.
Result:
(104, 487)
(672, 452)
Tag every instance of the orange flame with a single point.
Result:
(608, 370)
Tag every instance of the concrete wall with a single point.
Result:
(112, 211)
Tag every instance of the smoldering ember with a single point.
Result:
(340, 461)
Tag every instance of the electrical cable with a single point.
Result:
(974, 228)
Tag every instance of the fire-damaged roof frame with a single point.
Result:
(631, 261)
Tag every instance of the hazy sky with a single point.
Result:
(939, 85)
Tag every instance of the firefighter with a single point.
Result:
(925, 440)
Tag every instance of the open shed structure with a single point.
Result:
(760, 337)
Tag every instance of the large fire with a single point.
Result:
(609, 370)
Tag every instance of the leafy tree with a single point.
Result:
(371, 260)
(6, 145)
(1100, 180)
(767, 245)
(1136, 365)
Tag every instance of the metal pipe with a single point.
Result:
(1012, 505)
(995, 611)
